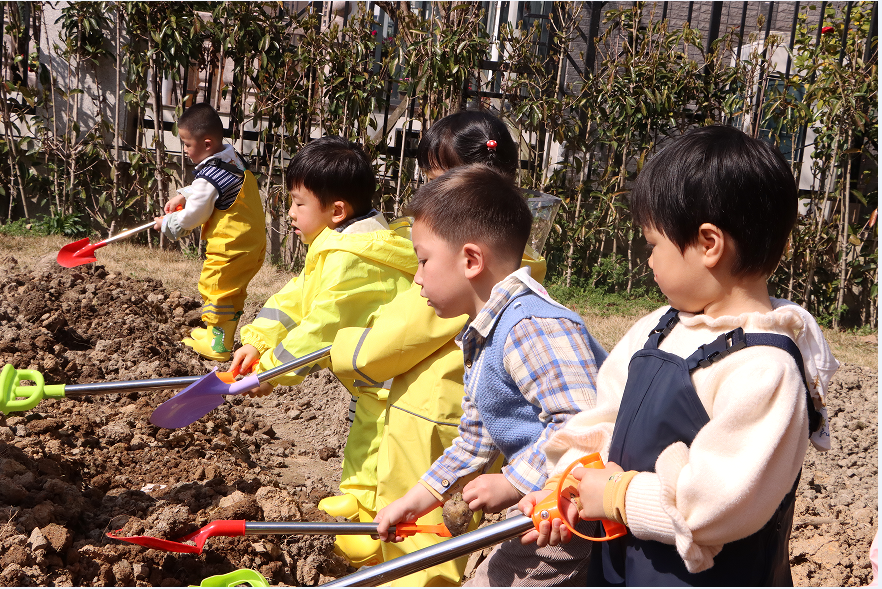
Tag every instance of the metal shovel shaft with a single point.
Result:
(311, 528)
(128, 386)
(126, 233)
(436, 554)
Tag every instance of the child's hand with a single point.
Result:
(490, 492)
(550, 533)
(592, 482)
(157, 223)
(263, 390)
(243, 358)
(415, 503)
(174, 203)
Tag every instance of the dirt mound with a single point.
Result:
(836, 512)
(72, 470)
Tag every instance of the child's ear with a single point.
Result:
(713, 242)
(342, 211)
(474, 259)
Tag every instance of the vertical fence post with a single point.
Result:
(741, 31)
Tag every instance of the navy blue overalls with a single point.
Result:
(660, 407)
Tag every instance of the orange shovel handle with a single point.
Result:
(549, 508)
(229, 377)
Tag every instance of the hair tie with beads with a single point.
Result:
(491, 145)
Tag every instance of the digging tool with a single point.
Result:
(201, 397)
(17, 397)
(232, 528)
(248, 577)
(547, 510)
(82, 252)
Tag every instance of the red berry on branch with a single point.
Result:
(826, 30)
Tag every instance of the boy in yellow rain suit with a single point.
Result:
(355, 264)
(411, 345)
(224, 200)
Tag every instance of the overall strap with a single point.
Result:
(735, 340)
(227, 167)
(664, 327)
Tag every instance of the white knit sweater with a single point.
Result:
(729, 482)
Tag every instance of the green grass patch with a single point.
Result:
(639, 302)
(24, 227)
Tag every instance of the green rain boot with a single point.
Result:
(217, 343)
(202, 332)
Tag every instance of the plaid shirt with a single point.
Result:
(553, 366)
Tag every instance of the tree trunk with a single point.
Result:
(118, 94)
(843, 258)
(156, 95)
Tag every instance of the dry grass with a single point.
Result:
(174, 269)
(179, 272)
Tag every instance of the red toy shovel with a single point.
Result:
(82, 252)
(232, 528)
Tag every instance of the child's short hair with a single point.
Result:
(201, 120)
(461, 138)
(475, 203)
(333, 168)
(721, 176)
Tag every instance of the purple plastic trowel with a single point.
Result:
(207, 393)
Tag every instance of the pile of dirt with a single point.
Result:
(73, 470)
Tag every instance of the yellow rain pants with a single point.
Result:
(416, 348)
(345, 279)
(236, 248)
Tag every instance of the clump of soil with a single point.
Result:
(73, 470)
(456, 514)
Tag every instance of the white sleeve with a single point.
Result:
(201, 196)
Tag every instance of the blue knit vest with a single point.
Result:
(512, 421)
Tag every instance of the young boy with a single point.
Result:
(528, 361)
(224, 200)
(703, 409)
(355, 264)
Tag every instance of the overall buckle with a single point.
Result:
(722, 346)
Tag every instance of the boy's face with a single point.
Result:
(440, 273)
(681, 276)
(307, 215)
(196, 149)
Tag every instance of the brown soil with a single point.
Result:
(73, 470)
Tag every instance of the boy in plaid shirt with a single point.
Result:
(530, 364)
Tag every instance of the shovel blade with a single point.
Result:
(159, 543)
(77, 253)
(191, 404)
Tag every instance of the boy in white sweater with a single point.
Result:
(703, 414)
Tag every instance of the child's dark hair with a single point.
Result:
(201, 120)
(468, 137)
(333, 168)
(475, 203)
(721, 176)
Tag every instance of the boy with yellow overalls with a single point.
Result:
(224, 200)
(355, 264)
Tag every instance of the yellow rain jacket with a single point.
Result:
(346, 277)
(410, 344)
